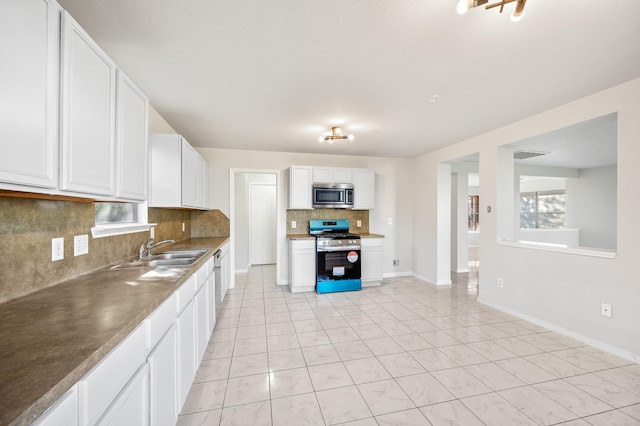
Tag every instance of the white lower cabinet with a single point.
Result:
(186, 324)
(302, 265)
(146, 378)
(371, 262)
(132, 405)
(202, 323)
(162, 381)
(64, 412)
(100, 387)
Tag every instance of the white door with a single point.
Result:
(262, 224)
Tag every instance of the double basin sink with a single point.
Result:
(166, 259)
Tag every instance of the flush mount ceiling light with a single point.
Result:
(518, 13)
(336, 134)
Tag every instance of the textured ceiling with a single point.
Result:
(274, 75)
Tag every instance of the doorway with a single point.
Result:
(465, 221)
(251, 222)
(262, 223)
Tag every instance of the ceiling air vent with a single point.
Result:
(523, 155)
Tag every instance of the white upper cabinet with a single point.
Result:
(178, 174)
(300, 182)
(332, 175)
(88, 91)
(132, 140)
(189, 175)
(363, 189)
(29, 76)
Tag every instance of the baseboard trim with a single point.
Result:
(622, 353)
(398, 274)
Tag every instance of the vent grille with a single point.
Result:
(523, 155)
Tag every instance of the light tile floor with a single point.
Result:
(405, 353)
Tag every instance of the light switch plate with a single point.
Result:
(605, 310)
(80, 245)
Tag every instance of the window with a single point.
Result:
(119, 218)
(474, 212)
(110, 213)
(542, 209)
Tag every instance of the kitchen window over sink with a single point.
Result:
(119, 218)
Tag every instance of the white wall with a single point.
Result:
(393, 195)
(591, 206)
(561, 290)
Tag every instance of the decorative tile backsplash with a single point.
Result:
(302, 218)
(28, 225)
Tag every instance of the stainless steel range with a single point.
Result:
(337, 256)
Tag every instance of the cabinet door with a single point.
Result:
(29, 76)
(208, 200)
(211, 293)
(322, 175)
(63, 413)
(188, 175)
(372, 261)
(132, 146)
(202, 323)
(342, 175)
(300, 181)
(363, 189)
(187, 366)
(132, 405)
(199, 182)
(88, 113)
(162, 381)
(166, 170)
(302, 276)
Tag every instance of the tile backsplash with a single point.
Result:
(302, 218)
(28, 225)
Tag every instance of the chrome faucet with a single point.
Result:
(148, 245)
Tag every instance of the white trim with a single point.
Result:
(559, 248)
(119, 229)
(553, 327)
(398, 274)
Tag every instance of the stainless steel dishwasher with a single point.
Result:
(217, 269)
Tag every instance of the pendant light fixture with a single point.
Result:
(336, 134)
(518, 13)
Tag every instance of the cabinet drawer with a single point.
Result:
(160, 320)
(209, 266)
(100, 387)
(186, 292)
(201, 276)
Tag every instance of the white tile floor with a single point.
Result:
(406, 353)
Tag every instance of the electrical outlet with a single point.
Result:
(57, 249)
(294, 224)
(183, 227)
(396, 262)
(500, 283)
(605, 310)
(80, 245)
(359, 223)
(152, 232)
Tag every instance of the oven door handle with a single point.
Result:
(340, 248)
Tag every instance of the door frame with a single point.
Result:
(280, 217)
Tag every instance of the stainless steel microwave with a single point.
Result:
(333, 195)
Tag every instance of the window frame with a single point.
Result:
(110, 230)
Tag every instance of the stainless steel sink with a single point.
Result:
(166, 259)
(178, 254)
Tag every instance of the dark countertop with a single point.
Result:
(51, 338)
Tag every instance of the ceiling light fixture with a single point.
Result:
(518, 13)
(336, 134)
